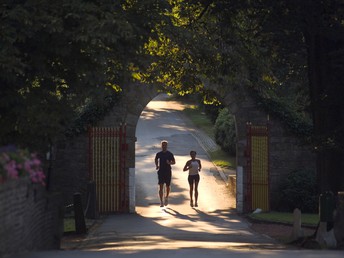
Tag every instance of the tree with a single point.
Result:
(301, 43)
(287, 53)
(57, 57)
(324, 35)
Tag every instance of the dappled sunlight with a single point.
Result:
(173, 229)
(166, 105)
(166, 123)
(185, 219)
(153, 231)
(149, 113)
(157, 243)
(175, 127)
(212, 224)
(148, 149)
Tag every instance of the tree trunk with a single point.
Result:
(327, 110)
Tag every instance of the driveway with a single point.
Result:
(178, 230)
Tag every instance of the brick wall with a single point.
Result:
(31, 218)
(287, 153)
(70, 168)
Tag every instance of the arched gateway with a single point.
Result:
(286, 152)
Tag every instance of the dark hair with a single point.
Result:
(193, 152)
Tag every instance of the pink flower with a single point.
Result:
(11, 169)
(37, 176)
(27, 165)
(16, 163)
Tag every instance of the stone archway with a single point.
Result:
(287, 153)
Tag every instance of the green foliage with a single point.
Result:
(298, 190)
(58, 56)
(199, 119)
(210, 104)
(91, 113)
(298, 122)
(234, 45)
(223, 159)
(202, 121)
(225, 134)
(212, 111)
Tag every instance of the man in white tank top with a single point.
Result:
(194, 166)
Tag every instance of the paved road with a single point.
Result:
(212, 229)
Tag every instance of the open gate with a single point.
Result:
(258, 167)
(107, 157)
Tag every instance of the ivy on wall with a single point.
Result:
(92, 113)
(298, 124)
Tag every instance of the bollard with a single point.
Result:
(326, 208)
(297, 231)
(80, 225)
(91, 209)
(325, 233)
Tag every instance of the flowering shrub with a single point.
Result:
(15, 163)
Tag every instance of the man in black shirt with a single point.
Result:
(163, 161)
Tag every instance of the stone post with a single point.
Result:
(132, 202)
(240, 190)
(339, 220)
(80, 224)
(297, 230)
(91, 209)
(325, 233)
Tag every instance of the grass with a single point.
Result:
(69, 225)
(200, 120)
(222, 159)
(286, 217)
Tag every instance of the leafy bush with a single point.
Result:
(225, 134)
(212, 111)
(298, 190)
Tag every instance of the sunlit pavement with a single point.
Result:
(211, 229)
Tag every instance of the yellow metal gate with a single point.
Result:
(258, 167)
(107, 155)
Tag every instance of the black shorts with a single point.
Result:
(193, 178)
(164, 178)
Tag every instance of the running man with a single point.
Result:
(163, 161)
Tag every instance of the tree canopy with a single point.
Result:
(58, 59)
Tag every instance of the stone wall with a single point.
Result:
(31, 219)
(71, 158)
(287, 152)
(70, 168)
